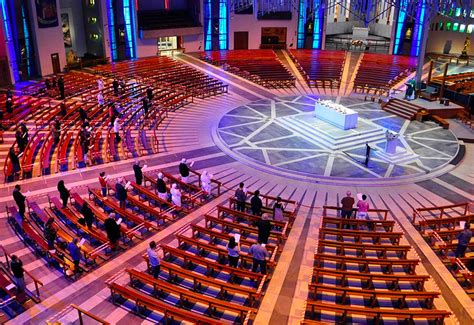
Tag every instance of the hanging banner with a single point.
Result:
(47, 13)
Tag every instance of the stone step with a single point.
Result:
(315, 135)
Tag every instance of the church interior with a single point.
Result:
(237, 161)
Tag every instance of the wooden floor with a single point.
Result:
(188, 133)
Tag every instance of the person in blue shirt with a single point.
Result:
(464, 238)
(75, 253)
(260, 255)
(153, 259)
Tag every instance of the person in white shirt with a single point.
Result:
(117, 130)
(153, 259)
(175, 195)
(100, 84)
(100, 99)
(206, 182)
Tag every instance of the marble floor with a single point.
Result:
(198, 132)
(282, 135)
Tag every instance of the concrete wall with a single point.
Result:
(250, 24)
(47, 42)
(74, 9)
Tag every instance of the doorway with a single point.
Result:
(241, 40)
(55, 63)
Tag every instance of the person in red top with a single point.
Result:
(103, 183)
(347, 205)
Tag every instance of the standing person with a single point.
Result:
(85, 141)
(86, 211)
(184, 170)
(259, 254)
(56, 131)
(63, 193)
(9, 105)
(146, 105)
(61, 87)
(233, 252)
(115, 85)
(82, 114)
(241, 197)
(363, 208)
(117, 130)
(464, 238)
(50, 233)
(367, 153)
(75, 253)
(100, 84)
(153, 259)
(19, 200)
(175, 195)
(256, 204)
(149, 94)
(16, 265)
(161, 187)
(264, 227)
(15, 162)
(121, 193)
(137, 170)
(113, 231)
(206, 182)
(24, 132)
(103, 183)
(19, 141)
(113, 114)
(100, 99)
(347, 205)
(278, 210)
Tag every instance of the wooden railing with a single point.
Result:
(383, 212)
(35, 280)
(441, 209)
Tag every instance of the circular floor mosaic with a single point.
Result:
(282, 134)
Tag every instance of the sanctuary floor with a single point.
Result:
(191, 132)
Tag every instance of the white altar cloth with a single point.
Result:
(345, 121)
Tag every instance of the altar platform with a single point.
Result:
(433, 107)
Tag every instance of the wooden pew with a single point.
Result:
(170, 253)
(186, 295)
(170, 312)
(408, 264)
(378, 314)
(394, 279)
(373, 294)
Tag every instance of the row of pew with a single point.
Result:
(173, 84)
(382, 71)
(322, 69)
(259, 66)
(195, 283)
(166, 72)
(368, 259)
(440, 227)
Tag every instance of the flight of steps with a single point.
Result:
(319, 132)
(401, 108)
